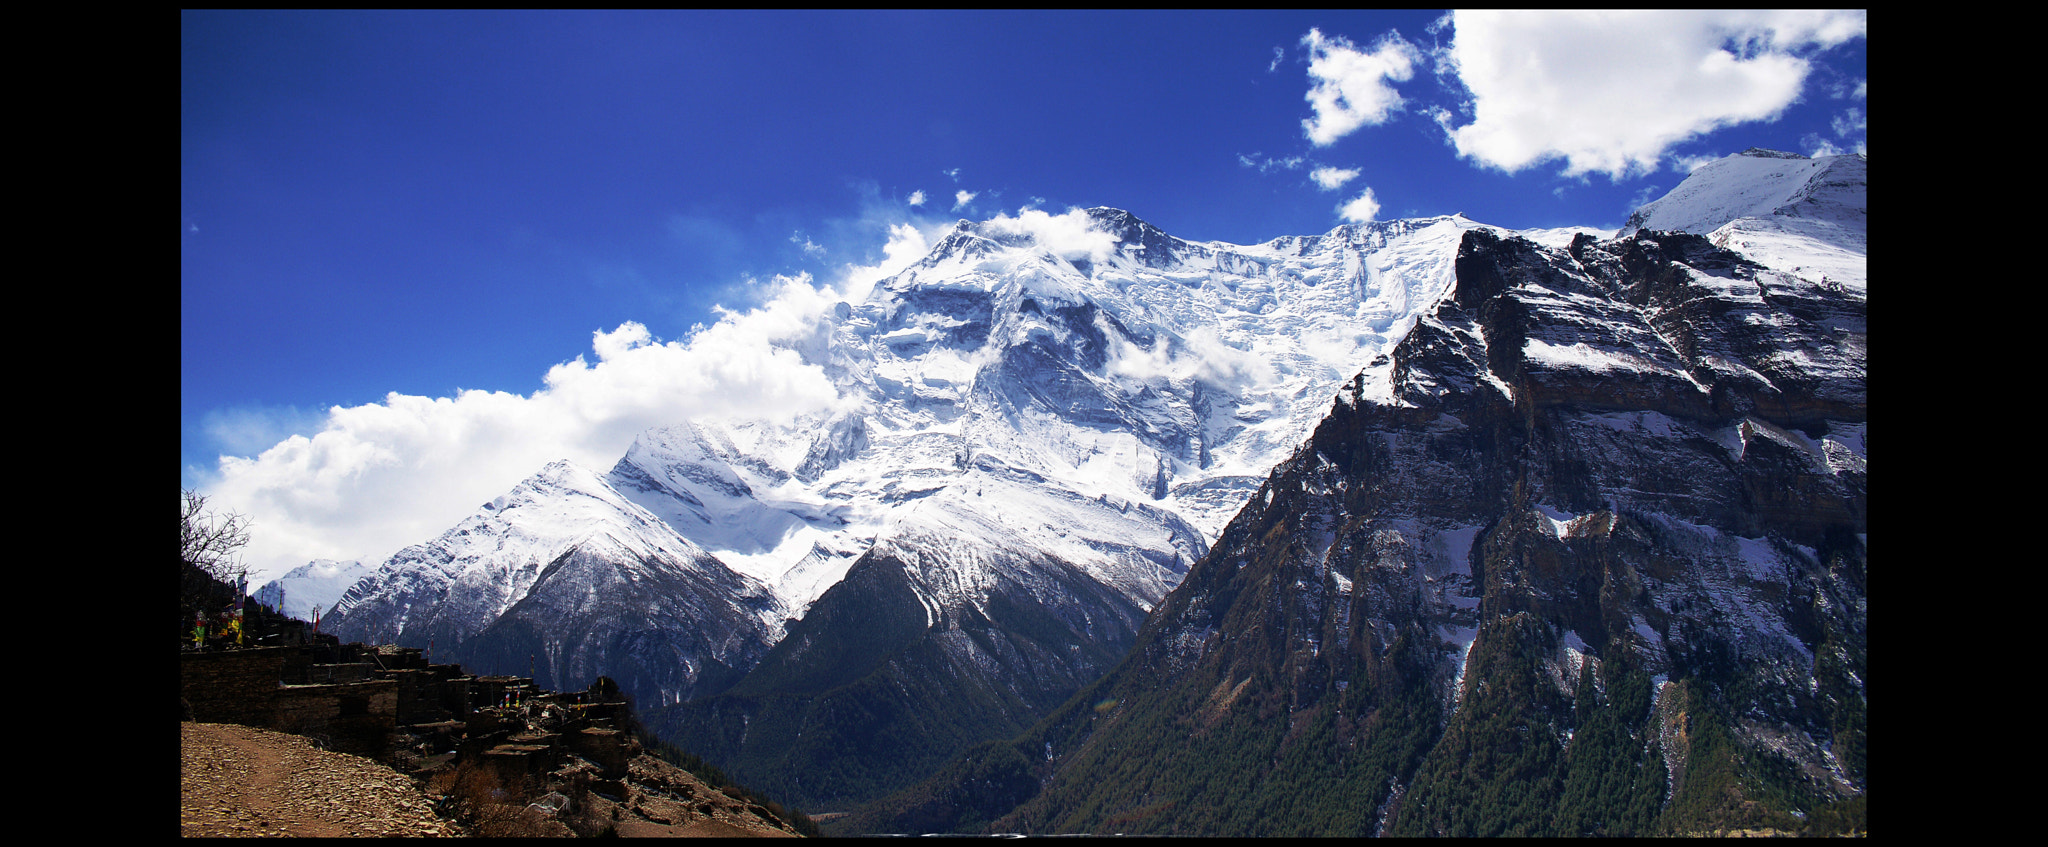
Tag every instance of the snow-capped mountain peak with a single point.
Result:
(312, 588)
(1801, 215)
(1047, 421)
(1089, 352)
(450, 590)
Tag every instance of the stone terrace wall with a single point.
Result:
(232, 686)
(354, 714)
(356, 717)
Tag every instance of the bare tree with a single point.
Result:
(211, 540)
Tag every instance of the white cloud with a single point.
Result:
(917, 197)
(954, 173)
(377, 477)
(960, 199)
(1816, 146)
(1331, 179)
(1688, 164)
(365, 481)
(1436, 27)
(810, 247)
(1069, 235)
(1850, 121)
(1351, 86)
(906, 245)
(1266, 164)
(252, 429)
(1611, 91)
(1361, 209)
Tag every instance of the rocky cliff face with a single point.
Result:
(1585, 554)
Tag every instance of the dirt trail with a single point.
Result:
(243, 781)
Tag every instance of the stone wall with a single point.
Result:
(354, 717)
(231, 686)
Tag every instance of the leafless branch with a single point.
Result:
(211, 540)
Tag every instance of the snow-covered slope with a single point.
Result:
(1130, 368)
(311, 588)
(1804, 216)
(564, 526)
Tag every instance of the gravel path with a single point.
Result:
(248, 782)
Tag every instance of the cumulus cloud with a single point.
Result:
(364, 481)
(960, 199)
(1331, 179)
(1352, 86)
(1611, 91)
(251, 429)
(1069, 235)
(907, 244)
(917, 197)
(377, 477)
(1362, 209)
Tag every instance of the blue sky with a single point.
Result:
(395, 223)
